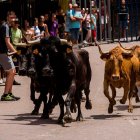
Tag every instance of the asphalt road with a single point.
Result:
(16, 123)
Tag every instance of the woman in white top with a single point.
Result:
(36, 30)
(88, 27)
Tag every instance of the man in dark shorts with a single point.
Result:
(6, 61)
(123, 19)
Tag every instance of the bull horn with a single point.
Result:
(30, 43)
(99, 48)
(33, 42)
(65, 42)
(124, 48)
(121, 45)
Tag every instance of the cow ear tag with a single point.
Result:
(69, 50)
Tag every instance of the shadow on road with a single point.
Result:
(31, 119)
(118, 115)
(115, 116)
(125, 107)
(103, 117)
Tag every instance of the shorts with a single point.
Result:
(94, 33)
(74, 33)
(6, 62)
(88, 28)
(123, 24)
(67, 28)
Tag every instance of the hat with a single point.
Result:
(75, 5)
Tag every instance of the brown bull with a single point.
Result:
(120, 71)
(136, 51)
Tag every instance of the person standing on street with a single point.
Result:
(123, 19)
(6, 60)
(76, 23)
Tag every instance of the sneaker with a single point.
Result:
(85, 42)
(16, 83)
(7, 98)
(124, 39)
(15, 97)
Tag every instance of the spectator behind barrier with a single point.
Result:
(123, 19)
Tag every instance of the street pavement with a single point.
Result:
(16, 123)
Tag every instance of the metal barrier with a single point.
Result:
(112, 28)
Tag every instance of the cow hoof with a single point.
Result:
(122, 101)
(34, 112)
(68, 118)
(79, 118)
(88, 105)
(110, 109)
(61, 121)
(137, 100)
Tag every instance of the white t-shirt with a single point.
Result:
(36, 30)
(87, 21)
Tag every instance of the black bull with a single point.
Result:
(41, 75)
(72, 75)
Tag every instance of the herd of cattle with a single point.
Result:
(56, 69)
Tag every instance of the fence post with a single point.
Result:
(90, 16)
(105, 20)
(137, 20)
(100, 20)
(109, 22)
